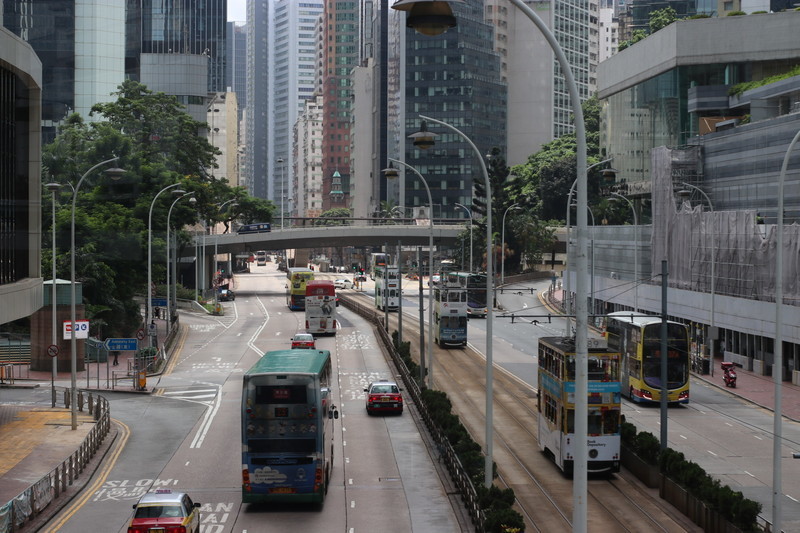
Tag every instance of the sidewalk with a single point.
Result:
(35, 437)
(751, 387)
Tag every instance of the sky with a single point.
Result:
(237, 11)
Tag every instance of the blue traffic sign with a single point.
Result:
(121, 345)
(158, 302)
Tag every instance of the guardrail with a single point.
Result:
(25, 507)
(469, 495)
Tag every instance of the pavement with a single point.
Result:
(35, 438)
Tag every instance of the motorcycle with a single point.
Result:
(729, 374)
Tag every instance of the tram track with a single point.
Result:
(543, 493)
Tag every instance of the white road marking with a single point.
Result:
(712, 453)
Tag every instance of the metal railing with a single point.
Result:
(458, 474)
(34, 500)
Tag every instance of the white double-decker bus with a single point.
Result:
(387, 287)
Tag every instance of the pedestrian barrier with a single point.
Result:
(24, 508)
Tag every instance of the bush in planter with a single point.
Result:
(500, 517)
(647, 447)
(627, 433)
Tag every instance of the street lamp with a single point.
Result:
(469, 214)
(148, 293)
(686, 193)
(777, 367)
(581, 340)
(391, 173)
(216, 242)
(636, 252)
(53, 188)
(567, 294)
(280, 162)
(192, 200)
(489, 429)
(113, 173)
(503, 243)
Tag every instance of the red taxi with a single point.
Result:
(304, 340)
(384, 397)
(165, 511)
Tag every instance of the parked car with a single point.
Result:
(226, 295)
(304, 340)
(343, 283)
(384, 397)
(166, 511)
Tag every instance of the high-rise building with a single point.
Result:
(281, 48)
(192, 27)
(455, 78)
(341, 30)
(72, 38)
(307, 186)
(236, 63)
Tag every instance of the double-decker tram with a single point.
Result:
(450, 311)
(475, 282)
(287, 427)
(556, 403)
(377, 260)
(387, 287)
(296, 287)
(638, 340)
(321, 307)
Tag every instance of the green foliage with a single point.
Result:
(503, 520)
(404, 351)
(637, 36)
(736, 14)
(329, 217)
(699, 16)
(647, 447)
(628, 434)
(661, 18)
(740, 88)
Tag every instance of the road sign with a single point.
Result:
(140, 334)
(52, 350)
(81, 327)
(158, 302)
(121, 345)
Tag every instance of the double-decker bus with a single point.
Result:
(261, 258)
(387, 288)
(475, 282)
(377, 260)
(450, 311)
(320, 307)
(296, 287)
(638, 339)
(287, 427)
(556, 403)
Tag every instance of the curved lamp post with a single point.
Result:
(489, 466)
(192, 200)
(635, 251)
(581, 341)
(503, 243)
(777, 367)
(114, 173)
(391, 173)
(469, 214)
(216, 241)
(53, 188)
(148, 293)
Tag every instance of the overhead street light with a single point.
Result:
(149, 292)
(391, 173)
(469, 214)
(503, 243)
(193, 201)
(54, 188)
(580, 476)
(489, 428)
(232, 201)
(113, 173)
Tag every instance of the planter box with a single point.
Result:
(697, 511)
(647, 474)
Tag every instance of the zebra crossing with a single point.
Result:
(204, 394)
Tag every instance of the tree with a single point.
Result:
(661, 18)
(637, 36)
(334, 217)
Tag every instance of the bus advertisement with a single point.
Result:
(258, 227)
(556, 404)
(450, 311)
(287, 427)
(296, 287)
(387, 288)
(321, 307)
(638, 340)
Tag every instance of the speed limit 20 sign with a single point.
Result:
(81, 329)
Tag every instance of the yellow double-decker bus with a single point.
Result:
(638, 339)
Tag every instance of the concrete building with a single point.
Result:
(21, 189)
(81, 45)
(671, 125)
(222, 118)
(307, 187)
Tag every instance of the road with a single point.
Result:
(185, 436)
